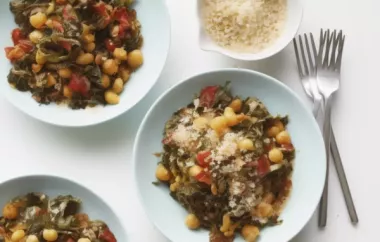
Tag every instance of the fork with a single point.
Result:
(308, 75)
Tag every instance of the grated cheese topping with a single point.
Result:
(244, 25)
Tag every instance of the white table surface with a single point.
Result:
(100, 157)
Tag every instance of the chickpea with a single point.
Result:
(192, 222)
(219, 124)
(84, 240)
(85, 29)
(214, 189)
(275, 155)
(118, 85)
(85, 59)
(279, 125)
(67, 92)
(226, 223)
(110, 67)
(105, 79)
(246, 144)
(195, 170)
(38, 20)
(50, 235)
(32, 238)
(283, 138)
(88, 38)
(36, 68)
(111, 97)
(264, 210)
(65, 73)
(162, 173)
(40, 58)
(200, 123)
(18, 235)
(10, 211)
(36, 36)
(273, 131)
(250, 233)
(135, 59)
(90, 47)
(120, 54)
(236, 105)
(99, 59)
(231, 117)
(124, 74)
(174, 186)
(51, 81)
(269, 198)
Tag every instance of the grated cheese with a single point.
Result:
(244, 25)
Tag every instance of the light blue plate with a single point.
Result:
(310, 164)
(52, 186)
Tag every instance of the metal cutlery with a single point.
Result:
(314, 67)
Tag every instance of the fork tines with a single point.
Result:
(309, 64)
(328, 40)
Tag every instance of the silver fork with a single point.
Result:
(308, 76)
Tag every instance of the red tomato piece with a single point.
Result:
(107, 236)
(58, 26)
(26, 45)
(66, 45)
(204, 177)
(79, 84)
(70, 240)
(17, 35)
(14, 53)
(288, 147)
(100, 8)
(203, 158)
(263, 165)
(110, 45)
(121, 15)
(207, 97)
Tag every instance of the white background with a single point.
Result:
(100, 157)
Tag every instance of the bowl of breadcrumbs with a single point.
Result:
(248, 29)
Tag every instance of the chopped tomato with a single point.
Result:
(121, 15)
(207, 97)
(287, 147)
(79, 84)
(204, 177)
(110, 45)
(68, 13)
(263, 165)
(17, 35)
(14, 53)
(66, 45)
(100, 8)
(203, 158)
(58, 26)
(26, 45)
(70, 240)
(107, 236)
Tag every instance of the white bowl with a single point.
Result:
(293, 21)
(53, 186)
(310, 163)
(155, 21)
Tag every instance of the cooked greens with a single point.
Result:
(228, 161)
(34, 215)
(77, 51)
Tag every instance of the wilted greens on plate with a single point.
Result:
(76, 51)
(35, 217)
(228, 161)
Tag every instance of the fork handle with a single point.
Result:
(343, 180)
(326, 136)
